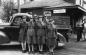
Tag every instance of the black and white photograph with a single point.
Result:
(42, 27)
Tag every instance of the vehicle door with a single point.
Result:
(13, 30)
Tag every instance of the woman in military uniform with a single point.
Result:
(51, 37)
(40, 34)
(22, 34)
(31, 39)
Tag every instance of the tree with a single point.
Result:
(1, 12)
(0, 2)
(8, 9)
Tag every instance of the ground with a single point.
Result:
(71, 48)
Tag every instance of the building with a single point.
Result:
(74, 9)
(66, 13)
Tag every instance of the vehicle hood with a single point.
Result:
(3, 25)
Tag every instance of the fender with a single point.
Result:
(61, 39)
(2, 34)
(3, 38)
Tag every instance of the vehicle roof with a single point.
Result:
(21, 14)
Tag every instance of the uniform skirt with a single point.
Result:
(51, 40)
(22, 34)
(41, 36)
(31, 38)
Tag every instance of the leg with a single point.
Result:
(32, 41)
(51, 49)
(79, 36)
(32, 46)
(84, 35)
(29, 43)
(51, 52)
(40, 43)
(67, 37)
(40, 47)
(52, 45)
(29, 48)
(23, 44)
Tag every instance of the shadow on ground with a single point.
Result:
(10, 47)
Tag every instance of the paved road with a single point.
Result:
(71, 48)
(14, 50)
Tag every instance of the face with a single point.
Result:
(31, 19)
(36, 19)
(24, 20)
(40, 19)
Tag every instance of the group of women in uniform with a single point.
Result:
(39, 31)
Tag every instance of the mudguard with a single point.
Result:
(3, 38)
(61, 39)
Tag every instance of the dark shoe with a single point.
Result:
(41, 52)
(51, 53)
(23, 51)
(77, 41)
(29, 52)
(32, 52)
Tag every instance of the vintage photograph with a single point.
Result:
(42, 27)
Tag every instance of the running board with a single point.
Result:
(12, 43)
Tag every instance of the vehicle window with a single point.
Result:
(17, 20)
(27, 18)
